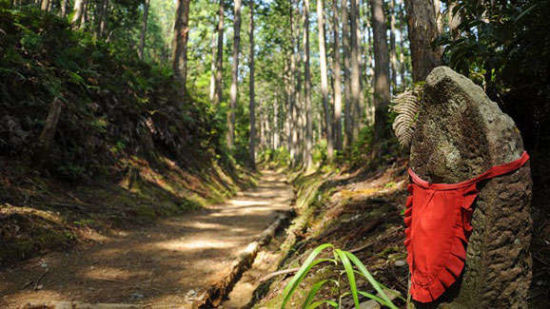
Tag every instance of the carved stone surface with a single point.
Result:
(460, 133)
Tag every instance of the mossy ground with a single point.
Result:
(359, 211)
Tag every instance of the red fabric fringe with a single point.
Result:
(438, 228)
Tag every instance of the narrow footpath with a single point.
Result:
(166, 265)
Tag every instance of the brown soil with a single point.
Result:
(168, 264)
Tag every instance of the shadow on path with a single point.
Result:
(165, 264)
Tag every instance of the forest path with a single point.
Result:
(163, 265)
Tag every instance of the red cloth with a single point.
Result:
(438, 226)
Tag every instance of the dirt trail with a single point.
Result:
(164, 265)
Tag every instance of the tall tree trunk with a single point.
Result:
(64, 8)
(381, 72)
(293, 129)
(337, 78)
(213, 67)
(348, 128)
(308, 159)
(276, 128)
(324, 77)
(454, 21)
(143, 34)
(252, 140)
(181, 35)
(369, 70)
(355, 69)
(84, 19)
(101, 11)
(403, 64)
(45, 5)
(105, 19)
(78, 12)
(185, 40)
(219, 57)
(299, 133)
(234, 74)
(48, 132)
(422, 31)
(438, 16)
(177, 43)
(393, 52)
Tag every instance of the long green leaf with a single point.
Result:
(385, 288)
(373, 297)
(319, 303)
(370, 278)
(302, 272)
(351, 276)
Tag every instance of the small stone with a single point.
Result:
(137, 296)
(191, 293)
(371, 304)
(400, 263)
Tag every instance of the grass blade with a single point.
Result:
(374, 297)
(371, 279)
(319, 303)
(299, 276)
(351, 276)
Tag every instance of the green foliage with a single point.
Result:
(113, 103)
(501, 44)
(346, 263)
(279, 157)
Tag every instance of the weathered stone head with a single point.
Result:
(456, 134)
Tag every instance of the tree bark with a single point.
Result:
(454, 21)
(219, 59)
(308, 159)
(293, 129)
(393, 52)
(45, 5)
(337, 78)
(101, 11)
(181, 36)
(185, 40)
(403, 64)
(299, 133)
(381, 72)
(48, 132)
(348, 128)
(64, 8)
(234, 74)
(143, 34)
(438, 16)
(422, 30)
(369, 70)
(324, 77)
(177, 43)
(213, 67)
(355, 69)
(252, 138)
(78, 12)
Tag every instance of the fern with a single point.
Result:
(406, 105)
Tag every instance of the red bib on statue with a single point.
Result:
(438, 226)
